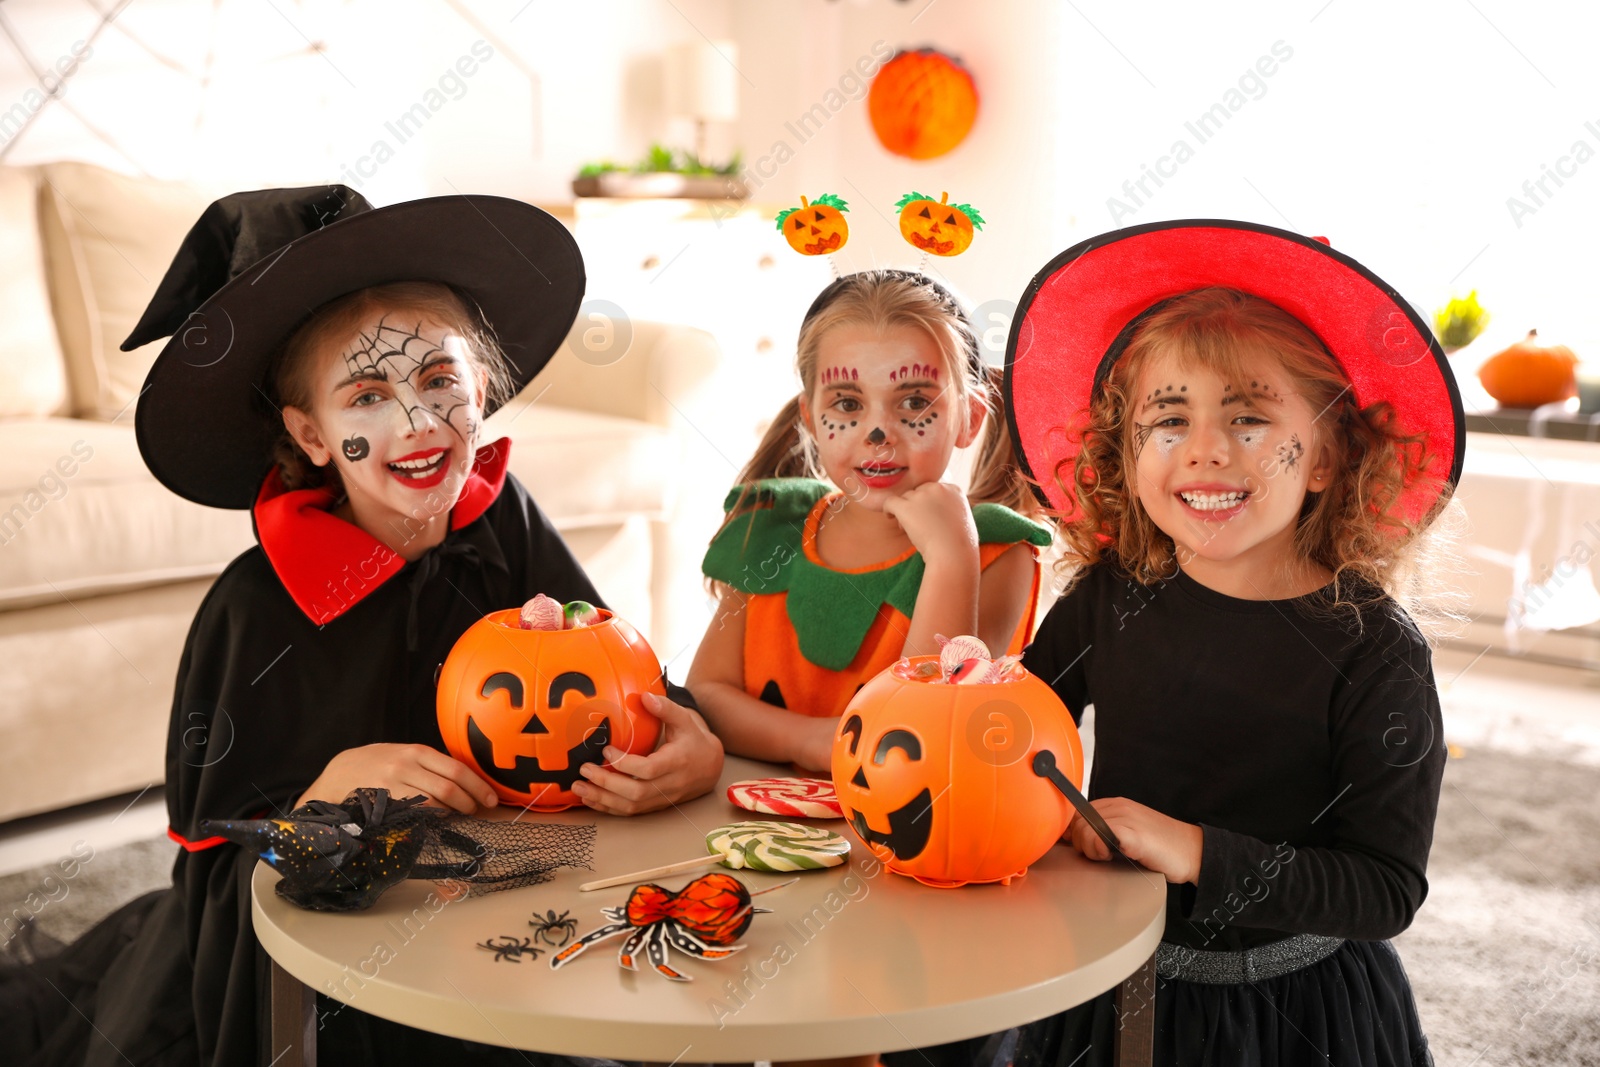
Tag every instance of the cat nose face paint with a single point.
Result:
(881, 420)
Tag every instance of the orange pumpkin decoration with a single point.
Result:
(937, 226)
(817, 227)
(922, 104)
(1529, 374)
(527, 708)
(937, 780)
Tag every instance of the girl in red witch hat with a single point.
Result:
(1245, 435)
(330, 368)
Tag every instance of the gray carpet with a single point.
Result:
(1504, 956)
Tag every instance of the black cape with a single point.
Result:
(265, 698)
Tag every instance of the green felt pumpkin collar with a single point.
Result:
(761, 550)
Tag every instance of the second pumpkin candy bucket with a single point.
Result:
(526, 708)
(937, 779)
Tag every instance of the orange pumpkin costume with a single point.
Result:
(814, 634)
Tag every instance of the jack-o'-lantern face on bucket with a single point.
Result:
(908, 823)
(527, 708)
(937, 780)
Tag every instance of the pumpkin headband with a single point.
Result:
(257, 264)
(1079, 313)
(947, 302)
(934, 227)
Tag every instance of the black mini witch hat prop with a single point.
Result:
(342, 857)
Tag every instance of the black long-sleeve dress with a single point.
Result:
(312, 642)
(1309, 748)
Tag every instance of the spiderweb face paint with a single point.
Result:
(398, 405)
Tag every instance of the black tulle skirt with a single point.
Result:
(1353, 1008)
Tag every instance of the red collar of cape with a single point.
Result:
(327, 564)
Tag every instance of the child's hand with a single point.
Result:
(814, 747)
(405, 771)
(938, 520)
(1163, 844)
(686, 764)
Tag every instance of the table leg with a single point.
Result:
(294, 1020)
(1134, 1045)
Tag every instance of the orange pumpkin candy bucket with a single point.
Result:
(526, 708)
(937, 780)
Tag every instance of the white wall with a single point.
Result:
(563, 84)
(1400, 131)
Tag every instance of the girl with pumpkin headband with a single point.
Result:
(822, 584)
(330, 368)
(1245, 435)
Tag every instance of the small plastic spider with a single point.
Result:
(511, 949)
(550, 926)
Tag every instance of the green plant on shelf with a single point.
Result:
(1460, 321)
(663, 160)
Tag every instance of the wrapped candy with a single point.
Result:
(543, 613)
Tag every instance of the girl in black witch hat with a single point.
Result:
(330, 367)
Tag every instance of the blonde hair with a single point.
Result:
(337, 321)
(1356, 527)
(883, 300)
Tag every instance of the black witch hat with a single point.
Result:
(258, 264)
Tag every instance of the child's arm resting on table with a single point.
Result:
(747, 726)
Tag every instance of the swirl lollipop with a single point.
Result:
(803, 798)
(756, 846)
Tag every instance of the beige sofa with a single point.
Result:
(102, 568)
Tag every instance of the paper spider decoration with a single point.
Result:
(713, 910)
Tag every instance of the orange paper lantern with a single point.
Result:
(527, 708)
(937, 780)
(922, 104)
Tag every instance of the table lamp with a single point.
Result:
(702, 84)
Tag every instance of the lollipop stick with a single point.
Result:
(653, 872)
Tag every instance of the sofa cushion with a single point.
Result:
(586, 469)
(81, 515)
(108, 240)
(33, 380)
